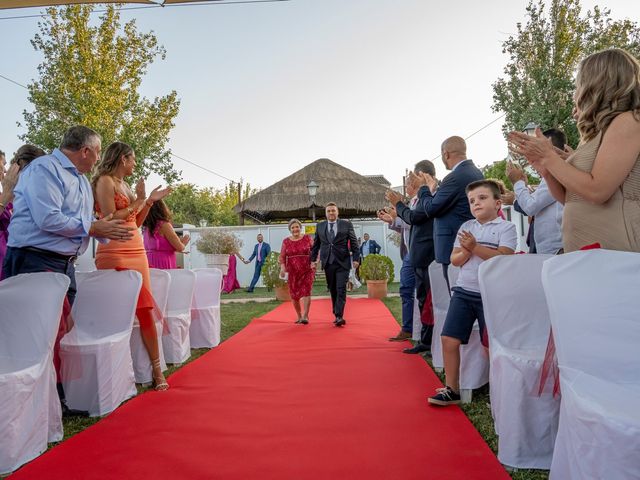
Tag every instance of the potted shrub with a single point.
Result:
(271, 277)
(217, 245)
(377, 272)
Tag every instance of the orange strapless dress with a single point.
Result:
(128, 255)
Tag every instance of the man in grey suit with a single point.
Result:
(336, 242)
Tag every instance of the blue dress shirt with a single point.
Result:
(53, 207)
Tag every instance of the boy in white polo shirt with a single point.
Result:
(478, 240)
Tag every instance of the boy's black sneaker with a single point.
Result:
(445, 396)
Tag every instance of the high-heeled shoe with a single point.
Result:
(299, 320)
(304, 321)
(159, 382)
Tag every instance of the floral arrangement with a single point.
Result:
(221, 242)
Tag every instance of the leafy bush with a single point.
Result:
(377, 267)
(271, 272)
(217, 241)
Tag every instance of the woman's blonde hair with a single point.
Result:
(294, 220)
(110, 159)
(608, 84)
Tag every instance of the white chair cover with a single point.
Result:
(30, 412)
(142, 370)
(417, 319)
(204, 331)
(440, 297)
(594, 304)
(177, 344)
(474, 360)
(517, 317)
(97, 373)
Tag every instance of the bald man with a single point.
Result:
(447, 203)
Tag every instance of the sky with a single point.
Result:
(267, 88)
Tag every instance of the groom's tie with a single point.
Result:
(332, 234)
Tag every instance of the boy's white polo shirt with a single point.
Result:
(493, 234)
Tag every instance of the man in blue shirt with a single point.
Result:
(53, 214)
(369, 246)
(260, 252)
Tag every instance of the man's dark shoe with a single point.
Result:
(69, 412)
(402, 336)
(249, 290)
(340, 322)
(418, 348)
(445, 397)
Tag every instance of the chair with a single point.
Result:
(177, 344)
(440, 297)
(97, 373)
(142, 369)
(518, 325)
(30, 414)
(204, 331)
(594, 307)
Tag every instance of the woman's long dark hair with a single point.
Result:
(26, 154)
(159, 212)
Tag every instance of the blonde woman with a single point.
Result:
(599, 183)
(294, 263)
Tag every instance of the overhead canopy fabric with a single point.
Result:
(49, 3)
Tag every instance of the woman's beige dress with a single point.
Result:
(615, 224)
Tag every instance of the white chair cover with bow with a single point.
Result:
(518, 325)
(30, 413)
(594, 304)
(97, 372)
(177, 344)
(204, 331)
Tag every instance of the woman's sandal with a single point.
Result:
(159, 382)
(304, 321)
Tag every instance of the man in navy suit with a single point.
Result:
(260, 252)
(447, 203)
(369, 246)
(336, 242)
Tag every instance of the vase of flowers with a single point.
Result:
(217, 245)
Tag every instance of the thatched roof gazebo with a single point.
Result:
(356, 196)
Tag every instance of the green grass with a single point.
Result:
(478, 411)
(319, 289)
(234, 319)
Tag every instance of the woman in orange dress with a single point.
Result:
(114, 197)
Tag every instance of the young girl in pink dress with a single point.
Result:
(160, 241)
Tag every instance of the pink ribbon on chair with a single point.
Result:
(550, 363)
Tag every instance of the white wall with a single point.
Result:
(274, 234)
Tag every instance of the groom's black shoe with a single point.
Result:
(419, 348)
(339, 322)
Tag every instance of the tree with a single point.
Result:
(90, 76)
(497, 171)
(190, 204)
(543, 58)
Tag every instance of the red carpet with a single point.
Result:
(284, 401)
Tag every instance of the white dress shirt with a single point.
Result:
(547, 231)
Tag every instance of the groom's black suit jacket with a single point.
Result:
(345, 240)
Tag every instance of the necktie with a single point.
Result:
(332, 234)
(259, 248)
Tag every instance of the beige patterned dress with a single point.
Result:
(614, 224)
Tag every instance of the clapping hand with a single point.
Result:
(564, 154)
(141, 190)
(534, 149)
(515, 173)
(393, 197)
(428, 180)
(467, 240)
(185, 239)
(10, 180)
(159, 193)
(110, 228)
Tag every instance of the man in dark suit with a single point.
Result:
(260, 252)
(447, 203)
(336, 242)
(421, 250)
(369, 246)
